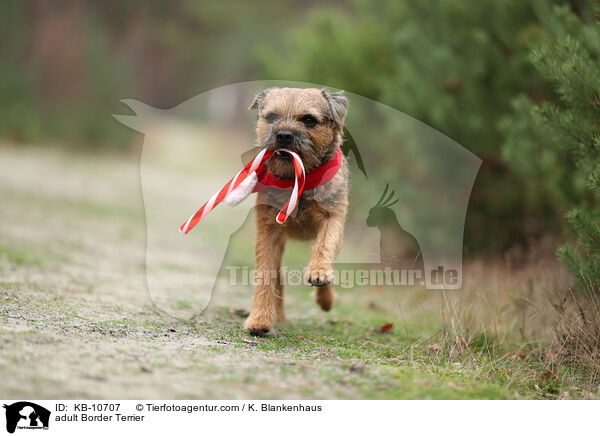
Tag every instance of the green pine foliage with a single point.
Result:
(456, 66)
(571, 64)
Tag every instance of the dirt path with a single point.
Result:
(76, 320)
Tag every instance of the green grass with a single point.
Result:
(391, 365)
(19, 256)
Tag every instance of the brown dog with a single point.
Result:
(309, 122)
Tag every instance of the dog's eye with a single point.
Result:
(271, 117)
(309, 120)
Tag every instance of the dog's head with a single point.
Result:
(307, 121)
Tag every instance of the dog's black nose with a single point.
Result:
(284, 137)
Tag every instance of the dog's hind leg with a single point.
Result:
(325, 296)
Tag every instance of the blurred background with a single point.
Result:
(515, 82)
(462, 67)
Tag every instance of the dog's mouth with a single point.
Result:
(283, 156)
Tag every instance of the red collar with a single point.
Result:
(317, 177)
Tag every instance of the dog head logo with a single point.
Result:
(430, 175)
(26, 415)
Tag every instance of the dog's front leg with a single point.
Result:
(268, 295)
(329, 240)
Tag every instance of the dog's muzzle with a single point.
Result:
(284, 138)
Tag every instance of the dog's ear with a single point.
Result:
(338, 105)
(258, 99)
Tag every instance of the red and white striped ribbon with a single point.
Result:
(240, 177)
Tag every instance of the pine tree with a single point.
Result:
(572, 65)
(457, 66)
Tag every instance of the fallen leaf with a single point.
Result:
(386, 327)
(172, 330)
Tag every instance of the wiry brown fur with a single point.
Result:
(321, 211)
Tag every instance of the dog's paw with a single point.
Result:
(319, 276)
(257, 326)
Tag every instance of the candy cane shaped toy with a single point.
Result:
(250, 170)
(289, 207)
